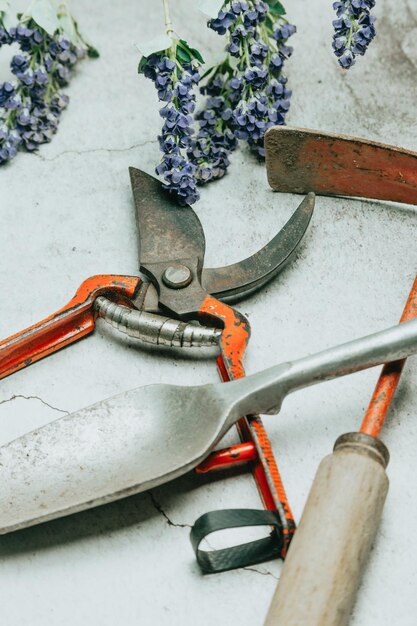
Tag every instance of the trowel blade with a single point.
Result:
(115, 448)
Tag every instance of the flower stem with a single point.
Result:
(168, 24)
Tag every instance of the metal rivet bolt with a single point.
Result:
(177, 276)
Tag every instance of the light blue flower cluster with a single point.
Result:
(174, 82)
(248, 96)
(209, 151)
(354, 29)
(31, 104)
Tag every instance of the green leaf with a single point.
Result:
(191, 52)
(197, 55)
(142, 65)
(92, 52)
(233, 62)
(44, 13)
(7, 21)
(211, 8)
(276, 8)
(68, 27)
(159, 44)
(183, 56)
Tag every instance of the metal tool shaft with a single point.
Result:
(340, 520)
(265, 391)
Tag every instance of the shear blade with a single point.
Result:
(168, 232)
(242, 278)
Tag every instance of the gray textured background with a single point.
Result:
(66, 213)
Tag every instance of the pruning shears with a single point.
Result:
(178, 302)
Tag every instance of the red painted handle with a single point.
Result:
(72, 322)
(301, 160)
(389, 378)
(251, 429)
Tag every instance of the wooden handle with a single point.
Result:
(329, 551)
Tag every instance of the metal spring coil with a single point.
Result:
(155, 329)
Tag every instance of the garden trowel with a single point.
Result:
(150, 435)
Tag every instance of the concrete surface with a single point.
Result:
(67, 213)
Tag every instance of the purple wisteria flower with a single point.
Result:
(247, 97)
(31, 104)
(354, 29)
(174, 80)
(245, 94)
(264, 98)
(210, 150)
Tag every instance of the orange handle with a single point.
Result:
(387, 384)
(72, 322)
(234, 455)
(235, 336)
(251, 430)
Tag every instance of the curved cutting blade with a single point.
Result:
(170, 237)
(167, 231)
(170, 234)
(236, 281)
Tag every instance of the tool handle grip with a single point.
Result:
(329, 551)
(72, 322)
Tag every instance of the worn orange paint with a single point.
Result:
(265, 470)
(344, 163)
(387, 384)
(277, 486)
(235, 336)
(301, 160)
(234, 455)
(72, 322)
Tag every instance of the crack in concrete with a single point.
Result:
(262, 572)
(160, 510)
(158, 507)
(348, 86)
(21, 396)
(92, 150)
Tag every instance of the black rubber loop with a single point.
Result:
(241, 555)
